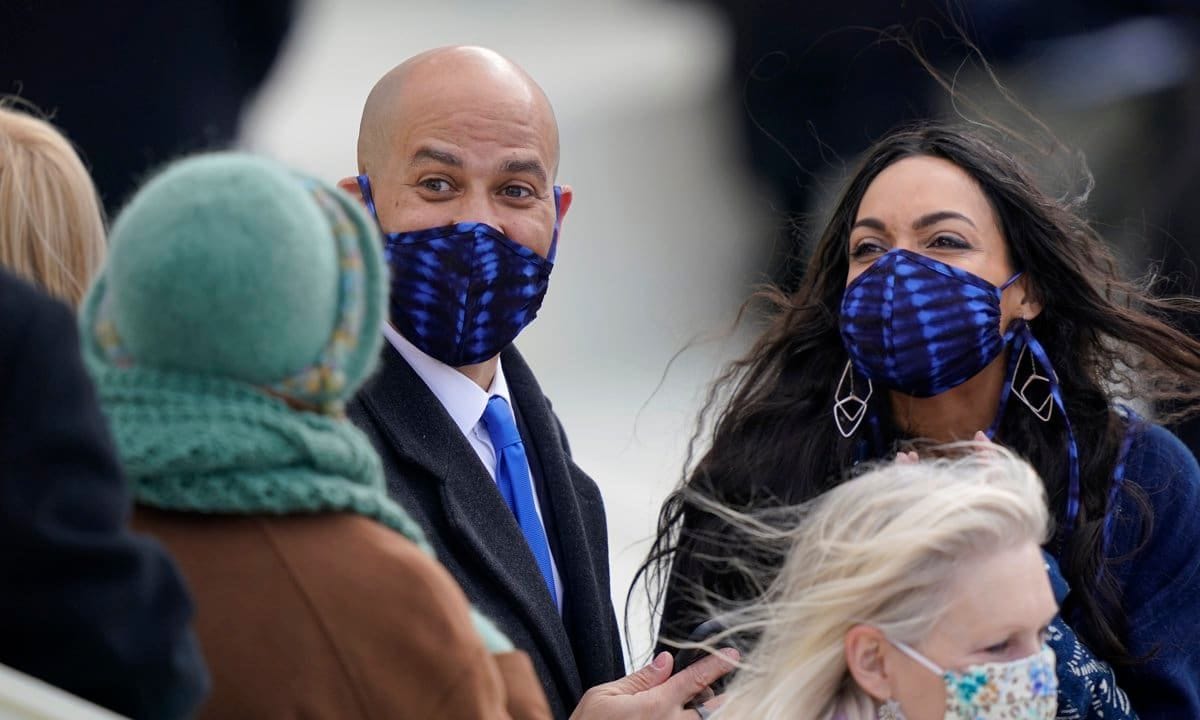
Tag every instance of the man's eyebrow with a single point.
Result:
(936, 217)
(439, 156)
(517, 166)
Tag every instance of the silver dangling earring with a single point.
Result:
(890, 710)
(850, 409)
(1046, 409)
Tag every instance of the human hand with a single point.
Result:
(912, 457)
(652, 693)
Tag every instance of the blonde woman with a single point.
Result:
(51, 226)
(915, 591)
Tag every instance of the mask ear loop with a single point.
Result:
(1022, 338)
(918, 657)
(557, 223)
(1008, 283)
(1118, 480)
(364, 187)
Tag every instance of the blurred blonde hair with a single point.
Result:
(51, 226)
(882, 549)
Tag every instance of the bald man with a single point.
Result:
(457, 156)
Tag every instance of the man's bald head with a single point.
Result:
(461, 134)
(449, 80)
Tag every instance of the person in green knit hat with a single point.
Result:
(237, 311)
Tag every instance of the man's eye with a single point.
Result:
(516, 192)
(435, 185)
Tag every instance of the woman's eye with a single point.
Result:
(998, 648)
(435, 185)
(949, 241)
(516, 192)
(866, 247)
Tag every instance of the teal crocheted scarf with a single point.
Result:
(201, 444)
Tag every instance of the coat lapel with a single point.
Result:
(420, 431)
(585, 602)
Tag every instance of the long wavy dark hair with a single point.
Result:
(773, 440)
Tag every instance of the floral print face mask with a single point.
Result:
(1025, 689)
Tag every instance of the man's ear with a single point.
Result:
(350, 185)
(564, 203)
(864, 659)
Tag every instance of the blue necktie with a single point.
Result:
(512, 477)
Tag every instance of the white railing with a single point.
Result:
(25, 698)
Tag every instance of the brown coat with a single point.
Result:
(335, 616)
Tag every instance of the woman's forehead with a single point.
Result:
(916, 186)
(1003, 591)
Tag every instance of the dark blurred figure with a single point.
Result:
(137, 83)
(1118, 79)
(815, 87)
(85, 605)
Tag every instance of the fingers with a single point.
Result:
(695, 678)
(989, 451)
(702, 698)
(912, 457)
(707, 705)
(647, 678)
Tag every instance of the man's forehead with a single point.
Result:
(472, 137)
(474, 104)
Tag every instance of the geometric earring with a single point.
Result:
(1043, 410)
(849, 409)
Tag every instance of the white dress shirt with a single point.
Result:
(465, 402)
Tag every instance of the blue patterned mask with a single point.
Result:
(462, 293)
(919, 326)
(922, 327)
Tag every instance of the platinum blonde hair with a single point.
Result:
(882, 549)
(52, 228)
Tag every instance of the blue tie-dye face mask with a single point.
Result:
(919, 326)
(922, 327)
(462, 293)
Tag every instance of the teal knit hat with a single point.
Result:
(229, 282)
(231, 266)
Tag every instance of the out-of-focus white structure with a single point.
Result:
(26, 698)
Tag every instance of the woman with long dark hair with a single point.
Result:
(949, 295)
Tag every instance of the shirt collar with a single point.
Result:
(463, 399)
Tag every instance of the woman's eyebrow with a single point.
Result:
(870, 222)
(936, 217)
